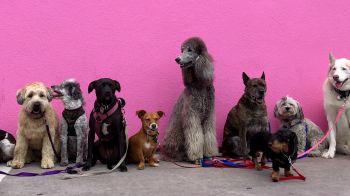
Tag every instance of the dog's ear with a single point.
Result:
(91, 86)
(331, 59)
(20, 95)
(76, 92)
(245, 78)
(263, 76)
(160, 114)
(300, 113)
(116, 85)
(49, 93)
(140, 113)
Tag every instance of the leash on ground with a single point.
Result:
(239, 163)
(72, 169)
(232, 163)
(116, 166)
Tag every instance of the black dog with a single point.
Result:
(281, 148)
(107, 121)
(7, 146)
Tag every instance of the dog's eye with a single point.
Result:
(30, 95)
(343, 68)
(334, 69)
(189, 50)
(255, 85)
(41, 95)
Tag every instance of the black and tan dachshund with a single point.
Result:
(281, 148)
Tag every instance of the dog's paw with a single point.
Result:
(329, 154)
(86, 167)
(154, 165)
(15, 164)
(315, 153)
(9, 163)
(275, 176)
(123, 168)
(287, 173)
(47, 163)
(141, 166)
(64, 163)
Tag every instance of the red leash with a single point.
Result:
(236, 163)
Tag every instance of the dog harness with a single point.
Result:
(101, 117)
(71, 116)
(342, 94)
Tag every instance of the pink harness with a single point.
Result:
(100, 118)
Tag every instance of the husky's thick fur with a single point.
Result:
(336, 91)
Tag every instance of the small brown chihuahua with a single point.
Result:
(143, 144)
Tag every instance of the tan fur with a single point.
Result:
(275, 176)
(142, 146)
(31, 133)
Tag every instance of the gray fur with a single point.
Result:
(72, 147)
(291, 116)
(191, 133)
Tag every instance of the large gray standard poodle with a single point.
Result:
(191, 133)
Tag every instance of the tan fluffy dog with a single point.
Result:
(143, 144)
(32, 135)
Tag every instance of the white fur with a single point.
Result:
(105, 128)
(339, 138)
(7, 147)
(147, 145)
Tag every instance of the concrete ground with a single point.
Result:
(324, 177)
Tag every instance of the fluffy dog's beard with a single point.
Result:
(286, 115)
(36, 113)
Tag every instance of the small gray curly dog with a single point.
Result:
(291, 116)
(74, 126)
(191, 133)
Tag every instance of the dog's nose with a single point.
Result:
(287, 108)
(153, 126)
(178, 59)
(262, 92)
(36, 106)
(336, 77)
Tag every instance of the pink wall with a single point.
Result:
(136, 42)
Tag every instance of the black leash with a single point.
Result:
(52, 144)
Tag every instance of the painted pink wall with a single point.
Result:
(136, 42)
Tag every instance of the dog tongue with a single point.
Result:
(338, 84)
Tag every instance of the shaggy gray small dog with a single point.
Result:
(291, 116)
(74, 126)
(191, 132)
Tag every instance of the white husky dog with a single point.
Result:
(336, 92)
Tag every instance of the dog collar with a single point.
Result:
(292, 123)
(342, 94)
(153, 137)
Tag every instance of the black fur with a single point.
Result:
(110, 149)
(262, 142)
